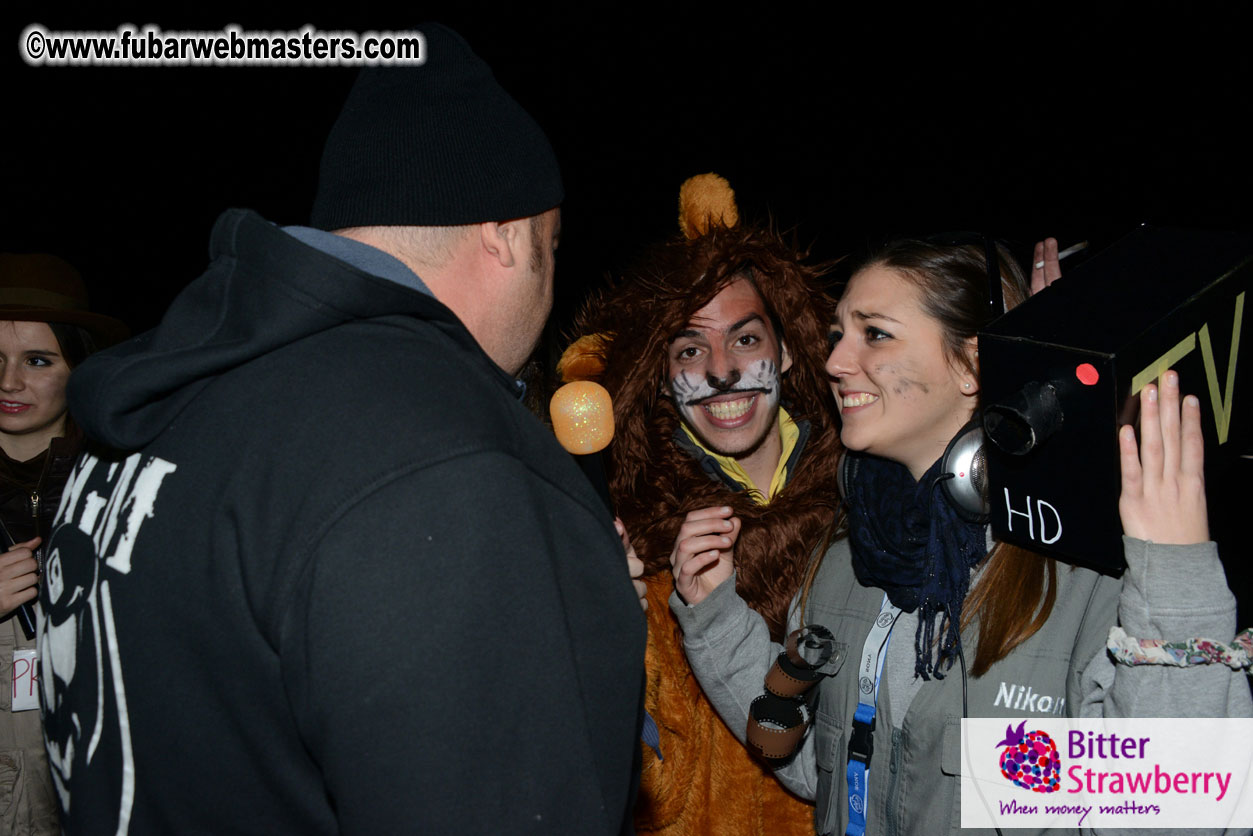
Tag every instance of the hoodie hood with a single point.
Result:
(263, 290)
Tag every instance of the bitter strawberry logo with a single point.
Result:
(1030, 759)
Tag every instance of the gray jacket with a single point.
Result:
(1167, 591)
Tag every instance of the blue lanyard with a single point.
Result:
(861, 745)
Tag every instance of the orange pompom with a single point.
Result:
(706, 200)
(582, 415)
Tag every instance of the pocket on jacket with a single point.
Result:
(830, 756)
(10, 774)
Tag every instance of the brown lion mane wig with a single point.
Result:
(653, 482)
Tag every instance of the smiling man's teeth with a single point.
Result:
(859, 399)
(728, 410)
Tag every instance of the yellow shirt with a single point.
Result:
(788, 433)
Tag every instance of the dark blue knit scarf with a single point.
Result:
(908, 541)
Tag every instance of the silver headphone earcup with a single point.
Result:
(967, 487)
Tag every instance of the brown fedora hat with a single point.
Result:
(35, 287)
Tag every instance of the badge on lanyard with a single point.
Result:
(25, 680)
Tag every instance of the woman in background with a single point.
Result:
(45, 331)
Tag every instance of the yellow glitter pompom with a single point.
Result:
(582, 414)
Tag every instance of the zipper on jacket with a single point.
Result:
(34, 513)
(894, 764)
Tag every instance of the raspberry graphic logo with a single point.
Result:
(1030, 759)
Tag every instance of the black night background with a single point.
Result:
(843, 126)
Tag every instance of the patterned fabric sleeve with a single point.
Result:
(1128, 650)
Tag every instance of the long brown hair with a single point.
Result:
(1017, 588)
(653, 482)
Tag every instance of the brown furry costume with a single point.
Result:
(708, 783)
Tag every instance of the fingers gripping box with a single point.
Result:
(1059, 372)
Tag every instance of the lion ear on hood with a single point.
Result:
(706, 200)
(584, 359)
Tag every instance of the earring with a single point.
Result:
(965, 385)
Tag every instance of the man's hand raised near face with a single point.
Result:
(703, 554)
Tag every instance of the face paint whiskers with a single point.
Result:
(761, 376)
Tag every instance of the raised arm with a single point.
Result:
(1174, 587)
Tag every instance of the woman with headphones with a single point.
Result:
(938, 620)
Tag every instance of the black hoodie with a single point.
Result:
(340, 581)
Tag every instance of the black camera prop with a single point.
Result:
(1059, 375)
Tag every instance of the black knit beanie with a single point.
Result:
(439, 144)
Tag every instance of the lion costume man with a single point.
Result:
(713, 353)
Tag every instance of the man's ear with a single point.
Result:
(970, 379)
(502, 240)
(785, 358)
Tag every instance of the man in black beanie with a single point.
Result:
(337, 579)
